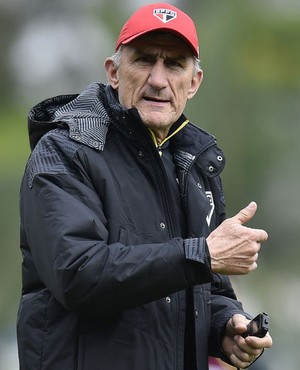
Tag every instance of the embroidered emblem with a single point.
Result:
(165, 15)
(212, 205)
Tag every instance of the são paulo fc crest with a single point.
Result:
(165, 15)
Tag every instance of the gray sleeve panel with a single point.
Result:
(53, 155)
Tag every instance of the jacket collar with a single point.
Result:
(89, 114)
(85, 114)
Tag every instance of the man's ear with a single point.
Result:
(195, 83)
(112, 73)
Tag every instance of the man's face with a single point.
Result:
(156, 76)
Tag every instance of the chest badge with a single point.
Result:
(212, 207)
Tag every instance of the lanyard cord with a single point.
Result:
(168, 137)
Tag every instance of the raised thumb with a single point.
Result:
(246, 213)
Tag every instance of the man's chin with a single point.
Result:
(156, 119)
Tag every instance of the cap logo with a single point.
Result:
(165, 15)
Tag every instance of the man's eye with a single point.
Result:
(144, 59)
(173, 63)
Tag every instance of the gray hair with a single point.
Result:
(116, 58)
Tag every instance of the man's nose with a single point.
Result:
(158, 75)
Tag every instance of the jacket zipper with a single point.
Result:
(162, 179)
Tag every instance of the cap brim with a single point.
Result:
(165, 29)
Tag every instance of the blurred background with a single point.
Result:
(249, 99)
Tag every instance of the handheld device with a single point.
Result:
(258, 327)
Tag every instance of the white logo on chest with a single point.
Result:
(212, 206)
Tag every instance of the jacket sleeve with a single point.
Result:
(66, 232)
(224, 305)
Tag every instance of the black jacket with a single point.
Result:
(105, 267)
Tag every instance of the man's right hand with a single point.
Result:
(234, 247)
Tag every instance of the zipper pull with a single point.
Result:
(159, 150)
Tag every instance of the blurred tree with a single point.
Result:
(249, 99)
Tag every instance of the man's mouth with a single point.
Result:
(155, 100)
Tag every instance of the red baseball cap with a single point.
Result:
(160, 17)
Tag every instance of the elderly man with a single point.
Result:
(126, 247)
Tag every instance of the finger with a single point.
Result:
(238, 363)
(242, 362)
(246, 213)
(260, 235)
(259, 343)
(237, 324)
(248, 355)
(244, 354)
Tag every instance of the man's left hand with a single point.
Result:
(242, 352)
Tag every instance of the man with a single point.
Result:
(123, 233)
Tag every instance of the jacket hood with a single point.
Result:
(89, 114)
(85, 114)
